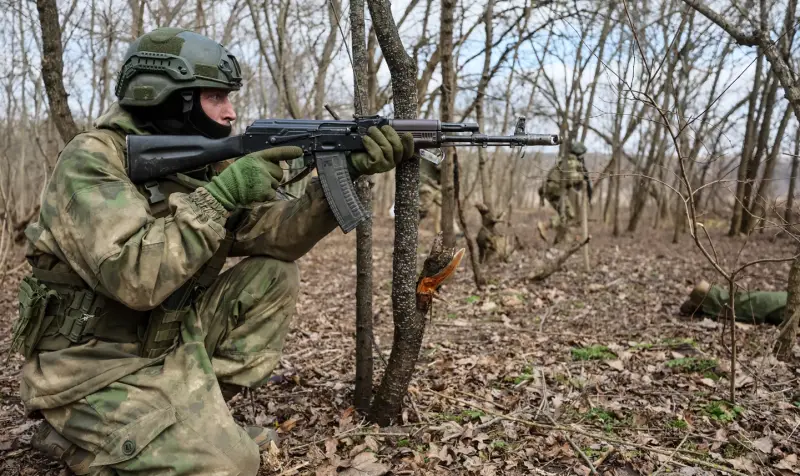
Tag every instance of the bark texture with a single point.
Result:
(409, 325)
(364, 361)
(448, 85)
(53, 69)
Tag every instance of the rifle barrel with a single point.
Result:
(514, 140)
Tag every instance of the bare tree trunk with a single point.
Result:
(736, 218)
(486, 185)
(409, 322)
(788, 335)
(789, 213)
(471, 246)
(364, 335)
(760, 199)
(53, 69)
(447, 101)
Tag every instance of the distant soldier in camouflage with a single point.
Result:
(430, 193)
(133, 340)
(751, 307)
(573, 179)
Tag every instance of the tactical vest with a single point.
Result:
(58, 309)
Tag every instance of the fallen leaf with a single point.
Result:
(616, 364)
(744, 464)
(708, 382)
(365, 464)
(788, 462)
(763, 445)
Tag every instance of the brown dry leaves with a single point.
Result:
(495, 365)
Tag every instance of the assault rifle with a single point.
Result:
(325, 144)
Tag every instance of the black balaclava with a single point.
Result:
(181, 114)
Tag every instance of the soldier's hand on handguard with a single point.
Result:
(252, 178)
(385, 150)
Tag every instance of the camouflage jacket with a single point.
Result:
(95, 222)
(573, 176)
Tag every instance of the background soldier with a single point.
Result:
(753, 307)
(554, 187)
(133, 340)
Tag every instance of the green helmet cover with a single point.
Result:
(172, 59)
(577, 148)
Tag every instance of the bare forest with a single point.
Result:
(557, 347)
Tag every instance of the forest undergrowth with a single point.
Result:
(583, 372)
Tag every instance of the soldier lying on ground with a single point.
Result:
(127, 379)
(753, 307)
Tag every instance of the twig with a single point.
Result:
(579, 431)
(296, 468)
(416, 410)
(605, 456)
(336, 435)
(575, 447)
(504, 408)
(671, 456)
(331, 111)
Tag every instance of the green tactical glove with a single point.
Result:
(385, 150)
(252, 178)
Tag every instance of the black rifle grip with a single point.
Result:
(339, 189)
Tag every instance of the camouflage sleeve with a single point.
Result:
(103, 226)
(286, 229)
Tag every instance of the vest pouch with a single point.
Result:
(163, 329)
(32, 321)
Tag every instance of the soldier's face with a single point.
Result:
(217, 105)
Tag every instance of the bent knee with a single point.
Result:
(276, 278)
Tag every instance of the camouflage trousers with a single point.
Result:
(754, 307)
(172, 418)
(571, 205)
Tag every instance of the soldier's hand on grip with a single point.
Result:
(252, 178)
(385, 150)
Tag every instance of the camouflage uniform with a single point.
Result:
(131, 250)
(753, 307)
(430, 191)
(552, 188)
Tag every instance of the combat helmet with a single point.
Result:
(577, 148)
(168, 60)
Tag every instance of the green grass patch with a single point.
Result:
(404, 443)
(722, 411)
(692, 364)
(733, 450)
(595, 352)
(677, 341)
(678, 424)
(473, 299)
(606, 419)
(498, 445)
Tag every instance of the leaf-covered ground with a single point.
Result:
(583, 370)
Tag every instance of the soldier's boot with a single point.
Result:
(263, 436)
(260, 435)
(696, 297)
(48, 441)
